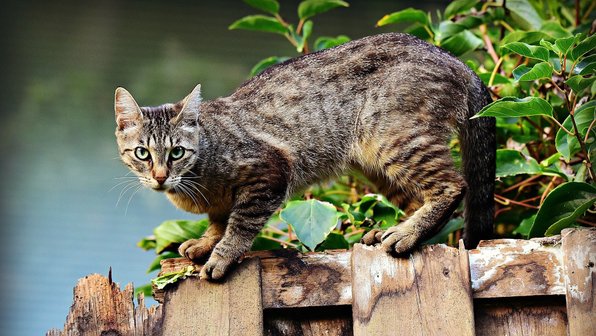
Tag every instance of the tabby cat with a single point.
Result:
(386, 105)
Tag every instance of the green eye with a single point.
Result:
(142, 153)
(177, 153)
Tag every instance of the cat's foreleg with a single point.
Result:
(198, 250)
(253, 207)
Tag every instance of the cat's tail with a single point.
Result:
(478, 149)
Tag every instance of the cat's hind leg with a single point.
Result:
(431, 173)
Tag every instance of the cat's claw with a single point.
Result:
(197, 250)
(215, 268)
(400, 239)
(372, 237)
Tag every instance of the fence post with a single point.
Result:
(234, 307)
(579, 256)
(428, 293)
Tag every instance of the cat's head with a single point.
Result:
(159, 144)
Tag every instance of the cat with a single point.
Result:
(386, 105)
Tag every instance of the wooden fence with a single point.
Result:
(504, 287)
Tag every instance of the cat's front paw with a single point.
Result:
(216, 267)
(197, 250)
(400, 239)
(372, 237)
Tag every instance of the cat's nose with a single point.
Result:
(160, 179)
(160, 175)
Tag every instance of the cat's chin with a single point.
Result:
(162, 189)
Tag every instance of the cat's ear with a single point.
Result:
(128, 112)
(191, 106)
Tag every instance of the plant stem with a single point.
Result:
(507, 201)
(577, 14)
(588, 130)
(299, 28)
(522, 183)
(548, 188)
(495, 70)
(582, 145)
(489, 44)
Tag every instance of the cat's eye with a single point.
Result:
(177, 153)
(142, 153)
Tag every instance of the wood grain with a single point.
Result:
(101, 308)
(233, 307)
(579, 257)
(425, 294)
(309, 280)
(326, 321)
(544, 316)
(514, 268)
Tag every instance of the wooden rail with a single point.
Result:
(507, 286)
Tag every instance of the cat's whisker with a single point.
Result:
(190, 179)
(195, 188)
(128, 187)
(120, 183)
(188, 193)
(130, 198)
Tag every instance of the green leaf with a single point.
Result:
(525, 226)
(568, 145)
(451, 226)
(312, 220)
(462, 43)
(554, 29)
(156, 263)
(458, 6)
(538, 71)
(334, 241)
(310, 8)
(169, 278)
(146, 290)
(269, 6)
(325, 42)
(499, 79)
(529, 37)
(516, 107)
(261, 243)
(579, 83)
(306, 31)
(177, 231)
(265, 63)
(260, 23)
(586, 65)
(524, 14)
(147, 243)
(562, 207)
(583, 48)
(511, 162)
(406, 15)
(526, 50)
(563, 44)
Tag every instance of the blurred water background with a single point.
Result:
(62, 62)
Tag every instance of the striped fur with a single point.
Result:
(386, 104)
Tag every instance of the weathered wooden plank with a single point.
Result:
(101, 308)
(544, 316)
(291, 279)
(579, 256)
(313, 321)
(309, 280)
(426, 294)
(233, 307)
(513, 268)
(499, 268)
